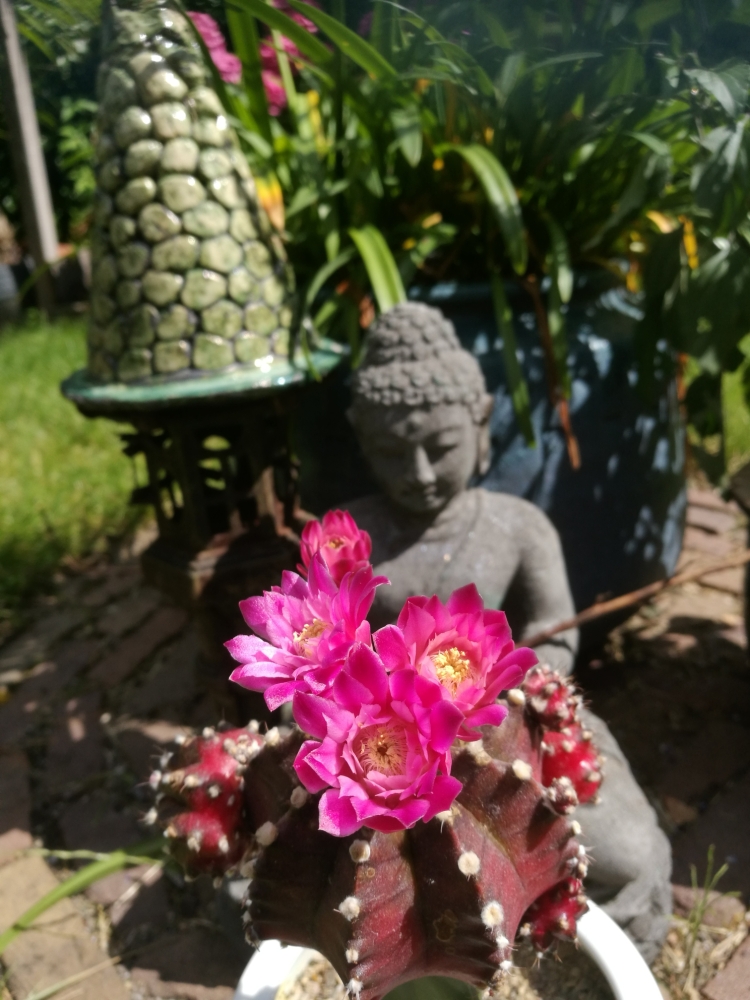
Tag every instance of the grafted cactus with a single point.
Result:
(413, 822)
(187, 272)
(446, 897)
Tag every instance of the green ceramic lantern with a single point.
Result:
(189, 336)
(189, 277)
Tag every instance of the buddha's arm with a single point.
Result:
(539, 595)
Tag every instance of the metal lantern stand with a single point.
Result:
(222, 480)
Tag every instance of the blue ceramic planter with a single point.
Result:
(621, 515)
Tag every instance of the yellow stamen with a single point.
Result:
(383, 749)
(335, 543)
(312, 630)
(451, 667)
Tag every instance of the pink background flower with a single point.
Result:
(270, 73)
(340, 542)
(228, 64)
(381, 747)
(462, 646)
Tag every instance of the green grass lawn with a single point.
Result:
(64, 484)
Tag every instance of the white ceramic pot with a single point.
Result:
(601, 939)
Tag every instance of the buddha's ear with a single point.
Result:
(483, 435)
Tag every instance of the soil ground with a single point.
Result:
(107, 673)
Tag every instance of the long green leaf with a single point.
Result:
(559, 337)
(564, 58)
(324, 273)
(382, 35)
(350, 43)
(407, 124)
(113, 862)
(246, 43)
(466, 69)
(654, 12)
(308, 44)
(35, 39)
(562, 272)
(653, 142)
(498, 35)
(501, 195)
(519, 391)
(381, 268)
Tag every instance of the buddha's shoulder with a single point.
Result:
(510, 512)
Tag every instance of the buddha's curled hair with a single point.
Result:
(413, 356)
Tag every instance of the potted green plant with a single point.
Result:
(556, 180)
(544, 152)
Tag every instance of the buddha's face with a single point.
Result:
(421, 456)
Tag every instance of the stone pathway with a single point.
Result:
(108, 673)
(90, 695)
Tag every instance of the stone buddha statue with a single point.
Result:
(421, 412)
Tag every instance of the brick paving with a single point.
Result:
(99, 684)
(108, 673)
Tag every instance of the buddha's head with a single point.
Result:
(420, 408)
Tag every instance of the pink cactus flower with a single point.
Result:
(466, 649)
(304, 630)
(343, 545)
(381, 747)
(228, 64)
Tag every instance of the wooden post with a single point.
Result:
(26, 146)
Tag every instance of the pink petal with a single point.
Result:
(352, 789)
(255, 612)
(349, 692)
(490, 715)
(402, 684)
(428, 691)
(277, 695)
(244, 647)
(336, 814)
(524, 658)
(365, 808)
(465, 601)
(325, 760)
(443, 795)
(391, 647)
(340, 723)
(410, 812)
(445, 718)
(312, 782)
(257, 676)
(366, 668)
(418, 626)
(309, 713)
(320, 580)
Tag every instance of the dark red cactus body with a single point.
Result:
(446, 897)
(554, 915)
(571, 754)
